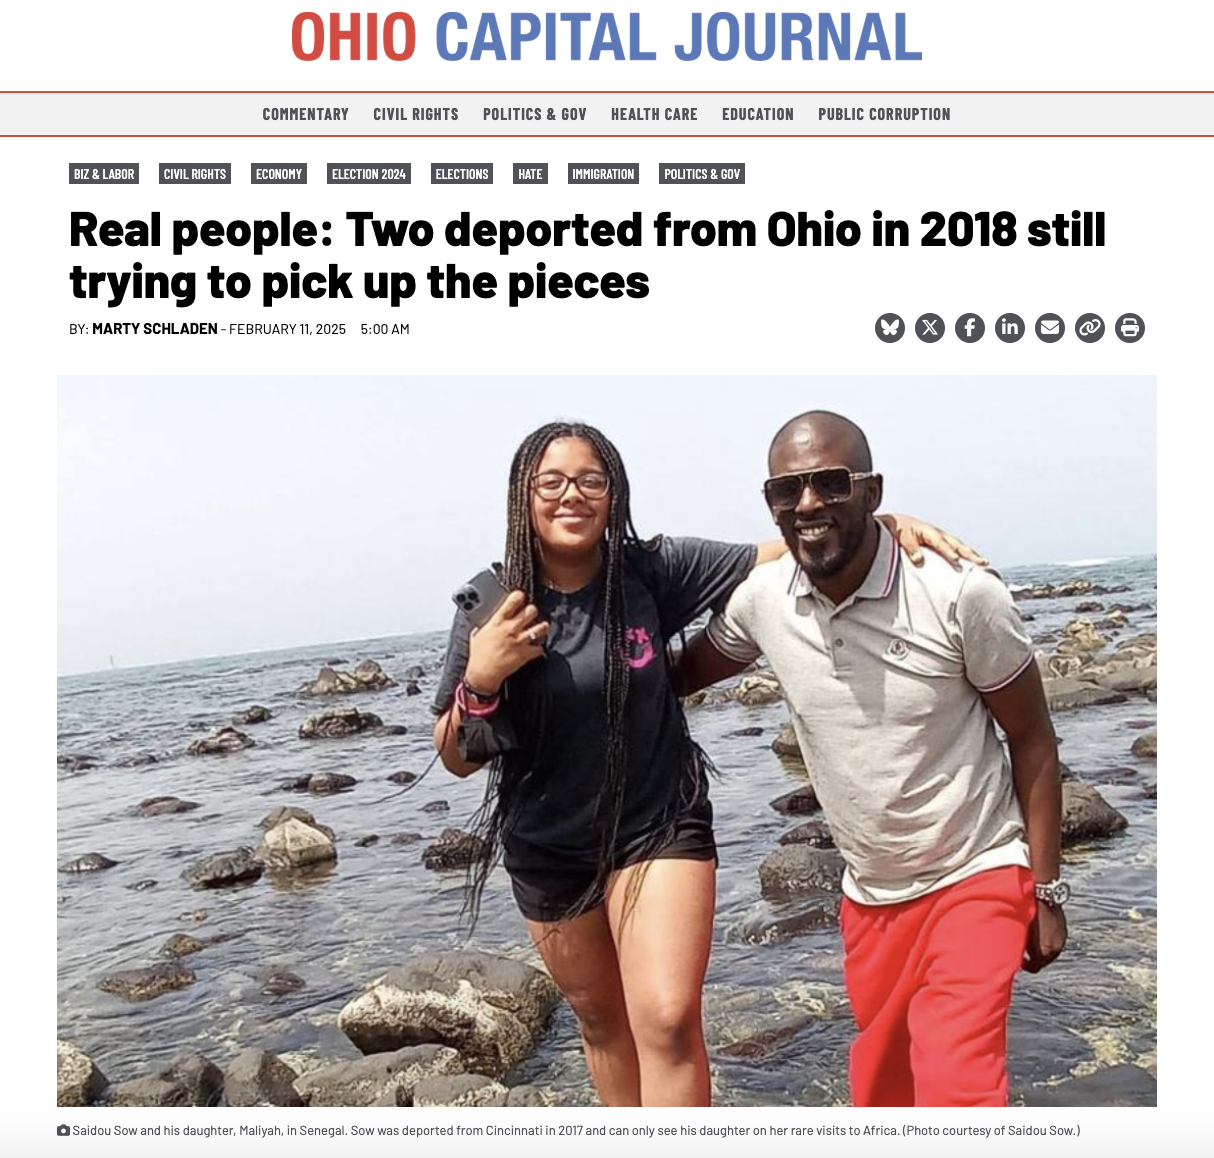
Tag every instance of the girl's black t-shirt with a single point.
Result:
(665, 590)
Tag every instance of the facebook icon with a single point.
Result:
(970, 327)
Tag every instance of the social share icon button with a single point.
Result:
(970, 327)
(1129, 327)
(1050, 328)
(889, 328)
(929, 328)
(1009, 328)
(1089, 328)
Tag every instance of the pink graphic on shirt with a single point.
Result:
(639, 650)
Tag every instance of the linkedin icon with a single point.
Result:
(1009, 328)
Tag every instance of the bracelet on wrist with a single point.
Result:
(472, 704)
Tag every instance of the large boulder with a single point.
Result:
(755, 691)
(382, 1079)
(491, 1009)
(337, 723)
(223, 869)
(146, 984)
(799, 802)
(221, 743)
(193, 1080)
(257, 1078)
(78, 1080)
(293, 844)
(368, 676)
(1147, 745)
(454, 849)
(1062, 695)
(91, 862)
(1086, 815)
(794, 869)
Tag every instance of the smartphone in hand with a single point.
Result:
(480, 597)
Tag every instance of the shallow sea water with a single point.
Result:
(378, 905)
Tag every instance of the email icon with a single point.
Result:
(1050, 327)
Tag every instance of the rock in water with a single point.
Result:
(91, 862)
(815, 833)
(1128, 679)
(193, 1080)
(226, 740)
(798, 802)
(146, 984)
(79, 1081)
(337, 723)
(490, 1009)
(757, 690)
(1146, 745)
(1086, 815)
(461, 1090)
(293, 844)
(1063, 694)
(368, 676)
(1116, 1085)
(403, 777)
(254, 715)
(181, 945)
(278, 982)
(796, 868)
(165, 806)
(1081, 638)
(257, 1078)
(785, 744)
(383, 1079)
(766, 1041)
(224, 868)
(454, 849)
(320, 784)
(288, 812)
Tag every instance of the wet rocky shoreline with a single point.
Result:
(1094, 659)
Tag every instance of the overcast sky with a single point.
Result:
(212, 516)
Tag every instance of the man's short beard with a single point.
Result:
(819, 564)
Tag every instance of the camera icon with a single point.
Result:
(63, 1130)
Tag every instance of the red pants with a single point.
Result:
(930, 982)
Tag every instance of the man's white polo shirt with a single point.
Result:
(885, 693)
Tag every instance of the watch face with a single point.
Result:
(1062, 893)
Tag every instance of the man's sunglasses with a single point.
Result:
(831, 484)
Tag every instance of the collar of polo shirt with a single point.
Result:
(879, 581)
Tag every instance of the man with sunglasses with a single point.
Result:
(896, 677)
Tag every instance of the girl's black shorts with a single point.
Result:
(549, 886)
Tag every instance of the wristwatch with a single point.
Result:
(1055, 894)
